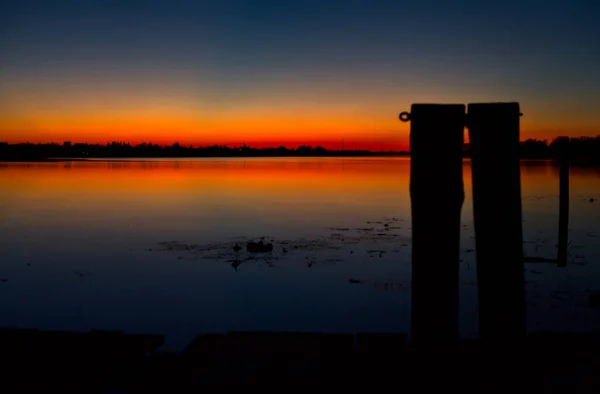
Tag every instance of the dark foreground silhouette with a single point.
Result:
(100, 361)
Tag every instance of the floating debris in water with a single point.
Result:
(81, 274)
(377, 284)
(340, 239)
(235, 263)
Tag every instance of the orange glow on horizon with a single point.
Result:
(257, 132)
(259, 125)
(399, 142)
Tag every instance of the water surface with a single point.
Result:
(147, 246)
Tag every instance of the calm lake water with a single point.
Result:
(147, 246)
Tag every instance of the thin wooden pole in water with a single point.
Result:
(494, 135)
(437, 195)
(563, 210)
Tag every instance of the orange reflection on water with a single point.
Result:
(168, 194)
(253, 176)
(211, 193)
(256, 175)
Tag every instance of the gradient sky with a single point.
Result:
(289, 73)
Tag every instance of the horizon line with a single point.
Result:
(197, 146)
(236, 146)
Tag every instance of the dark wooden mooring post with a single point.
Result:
(563, 209)
(494, 136)
(437, 195)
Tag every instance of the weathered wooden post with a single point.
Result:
(494, 136)
(563, 205)
(437, 195)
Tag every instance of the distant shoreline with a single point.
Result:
(255, 156)
(573, 163)
(584, 151)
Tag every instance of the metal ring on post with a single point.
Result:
(405, 116)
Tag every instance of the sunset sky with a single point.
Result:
(276, 72)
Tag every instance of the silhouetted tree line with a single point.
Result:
(29, 151)
(581, 149)
(584, 149)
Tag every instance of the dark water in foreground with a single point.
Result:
(147, 246)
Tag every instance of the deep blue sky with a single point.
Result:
(233, 56)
